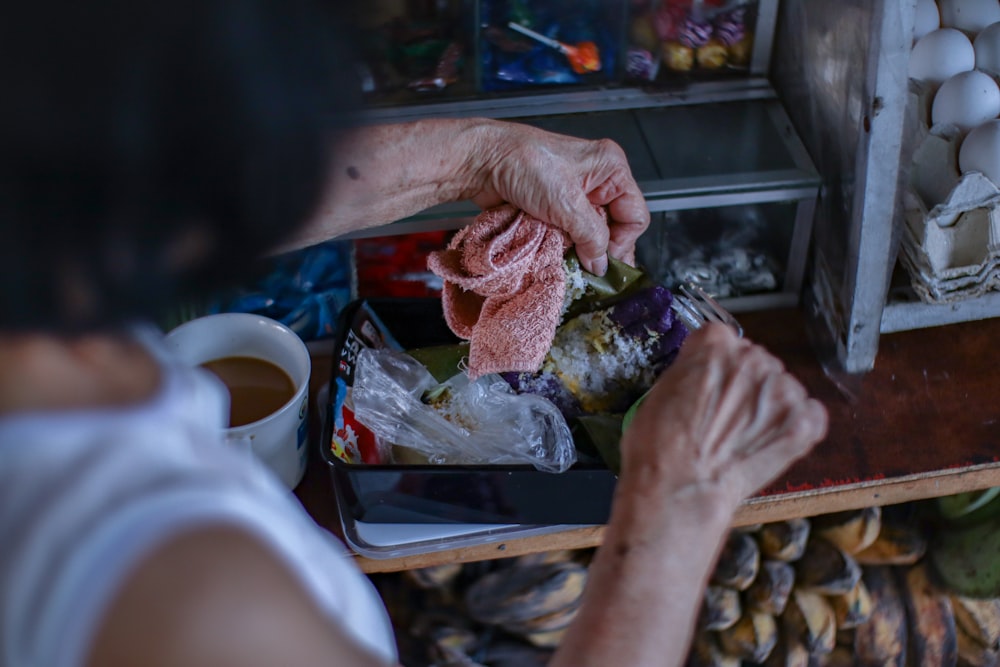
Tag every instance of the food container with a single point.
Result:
(457, 494)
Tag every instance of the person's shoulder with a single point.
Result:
(217, 595)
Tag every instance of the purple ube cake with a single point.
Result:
(601, 362)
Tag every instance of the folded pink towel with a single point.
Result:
(504, 286)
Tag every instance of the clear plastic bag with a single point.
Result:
(458, 422)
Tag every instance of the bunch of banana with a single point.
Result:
(882, 639)
(535, 599)
(912, 618)
(501, 613)
(867, 587)
(819, 591)
(850, 588)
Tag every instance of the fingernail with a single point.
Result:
(600, 265)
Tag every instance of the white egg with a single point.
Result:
(928, 18)
(987, 48)
(967, 99)
(940, 55)
(969, 15)
(981, 151)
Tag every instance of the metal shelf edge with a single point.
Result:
(562, 102)
(905, 316)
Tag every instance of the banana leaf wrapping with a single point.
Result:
(618, 334)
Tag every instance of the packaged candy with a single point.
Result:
(694, 37)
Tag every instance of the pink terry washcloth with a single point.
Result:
(504, 286)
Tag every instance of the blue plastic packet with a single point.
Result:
(305, 290)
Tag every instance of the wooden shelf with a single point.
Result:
(924, 423)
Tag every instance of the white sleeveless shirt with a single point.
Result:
(84, 496)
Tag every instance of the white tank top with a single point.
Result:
(84, 496)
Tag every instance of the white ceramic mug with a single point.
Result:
(279, 439)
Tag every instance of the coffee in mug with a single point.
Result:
(257, 388)
(266, 368)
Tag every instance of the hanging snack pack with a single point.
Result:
(350, 440)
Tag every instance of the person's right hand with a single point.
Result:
(560, 179)
(724, 418)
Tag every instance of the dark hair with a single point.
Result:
(150, 149)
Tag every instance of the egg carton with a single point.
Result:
(950, 241)
(952, 251)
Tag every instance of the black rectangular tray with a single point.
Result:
(518, 494)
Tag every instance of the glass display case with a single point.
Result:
(451, 50)
(727, 180)
(840, 72)
(743, 254)
(681, 85)
(834, 80)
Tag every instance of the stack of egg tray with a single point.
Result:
(950, 236)
(952, 251)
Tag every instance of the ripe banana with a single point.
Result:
(518, 594)
(721, 607)
(896, 544)
(826, 569)
(931, 619)
(550, 639)
(882, 639)
(705, 652)
(770, 590)
(840, 656)
(809, 616)
(851, 531)
(853, 608)
(453, 640)
(436, 576)
(751, 638)
(979, 619)
(789, 652)
(738, 563)
(749, 528)
(546, 623)
(783, 540)
(971, 653)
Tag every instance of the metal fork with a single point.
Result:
(696, 307)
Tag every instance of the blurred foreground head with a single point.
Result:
(151, 149)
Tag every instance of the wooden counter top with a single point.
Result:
(925, 422)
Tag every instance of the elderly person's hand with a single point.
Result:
(560, 179)
(384, 173)
(724, 418)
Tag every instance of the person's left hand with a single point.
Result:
(559, 179)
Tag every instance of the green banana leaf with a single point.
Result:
(441, 361)
(602, 291)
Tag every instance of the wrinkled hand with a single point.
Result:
(725, 417)
(559, 179)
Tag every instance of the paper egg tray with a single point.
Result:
(950, 237)
(953, 263)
